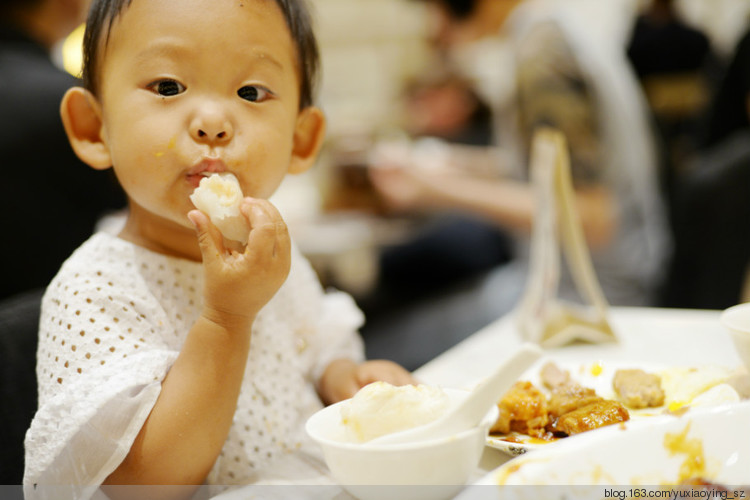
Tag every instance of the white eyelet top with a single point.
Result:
(114, 320)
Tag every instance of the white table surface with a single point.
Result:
(648, 335)
(645, 335)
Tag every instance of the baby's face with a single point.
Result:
(196, 86)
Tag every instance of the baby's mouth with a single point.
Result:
(205, 168)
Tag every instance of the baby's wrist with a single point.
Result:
(234, 322)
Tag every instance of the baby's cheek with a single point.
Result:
(160, 151)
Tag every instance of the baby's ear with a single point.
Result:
(308, 138)
(82, 118)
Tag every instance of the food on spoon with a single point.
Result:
(638, 389)
(592, 416)
(380, 408)
(219, 196)
(522, 409)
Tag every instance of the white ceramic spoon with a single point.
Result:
(469, 412)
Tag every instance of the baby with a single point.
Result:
(166, 356)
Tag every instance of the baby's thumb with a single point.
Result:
(207, 240)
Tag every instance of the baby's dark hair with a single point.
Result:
(103, 13)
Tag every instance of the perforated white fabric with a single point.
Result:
(113, 322)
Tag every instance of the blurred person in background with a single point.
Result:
(728, 111)
(444, 105)
(445, 253)
(445, 249)
(572, 75)
(678, 70)
(711, 265)
(49, 200)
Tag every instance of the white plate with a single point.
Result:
(596, 375)
(661, 452)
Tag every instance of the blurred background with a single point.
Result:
(421, 278)
(378, 72)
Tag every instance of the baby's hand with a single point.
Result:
(343, 378)
(238, 284)
(383, 370)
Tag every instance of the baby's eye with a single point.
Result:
(167, 87)
(253, 93)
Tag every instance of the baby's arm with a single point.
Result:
(188, 425)
(343, 377)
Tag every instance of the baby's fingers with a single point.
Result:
(209, 237)
(268, 230)
(385, 370)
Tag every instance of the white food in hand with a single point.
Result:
(380, 408)
(219, 196)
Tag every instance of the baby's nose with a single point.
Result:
(210, 135)
(211, 126)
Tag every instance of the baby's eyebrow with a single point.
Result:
(265, 57)
(173, 48)
(164, 47)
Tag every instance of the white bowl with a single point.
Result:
(425, 470)
(737, 320)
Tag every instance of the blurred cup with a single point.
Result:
(737, 320)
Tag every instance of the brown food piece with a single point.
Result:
(552, 376)
(522, 409)
(568, 398)
(591, 416)
(638, 389)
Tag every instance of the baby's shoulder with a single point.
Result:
(100, 267)
(101, 250)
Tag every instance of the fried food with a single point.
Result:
(638, 389)
(591, 416)
(522, 409)
(570, 409)
(569, 398)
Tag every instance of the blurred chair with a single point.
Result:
(19, 324)
(712, 236)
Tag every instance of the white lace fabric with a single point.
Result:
(113, 322)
